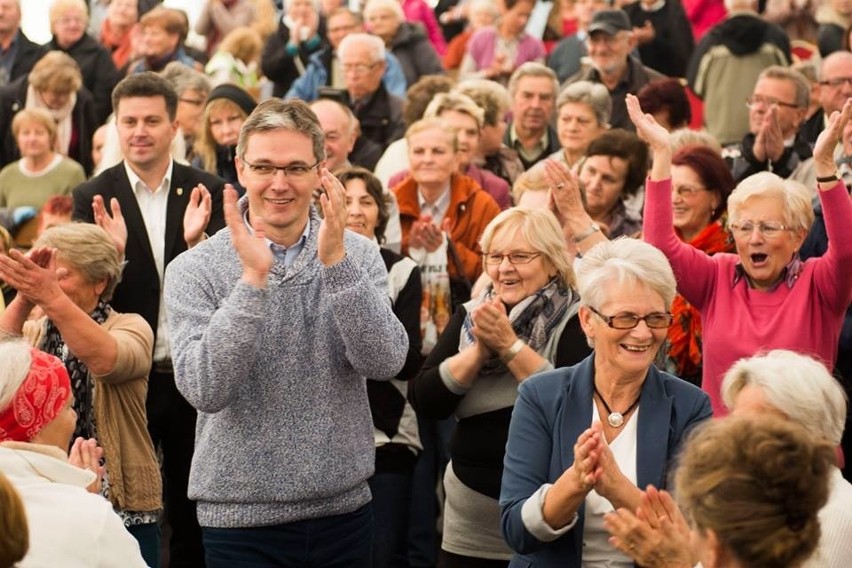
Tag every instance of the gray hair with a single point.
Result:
(292, 115)
(687, 137)
(89, 249)
(803, 87)
(625, 262)
(392, 5)
(532, 69)
(184, 78)
(375, 43)
(594, 95)
(17, 360)
(795, 197)
(797, 385)
(457, 102)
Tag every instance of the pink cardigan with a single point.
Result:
(419, 11)
(740, 321)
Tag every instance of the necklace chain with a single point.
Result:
(615, 419)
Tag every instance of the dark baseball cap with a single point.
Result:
(610, 22)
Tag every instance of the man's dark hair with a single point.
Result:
(146, 84)
(618, 143)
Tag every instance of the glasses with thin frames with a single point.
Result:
(358, 68)
(753, 102)
(687, 191)
(655, 320)
(837, 82)
(291, 171)
(518, 257)
(767, 230)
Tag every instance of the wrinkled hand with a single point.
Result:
(113, 222)
(657, 536)
(333, 202)
(647, 126)
(86, 454)
(491, 325)
(426, 235)
(608, 476)
(34, 276)
(586, 455)
(197, 215)
(565, 200)
(827, 140)
(254, 253)
(769, 141)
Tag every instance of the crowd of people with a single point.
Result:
(404, 284)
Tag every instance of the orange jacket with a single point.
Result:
(470, 211)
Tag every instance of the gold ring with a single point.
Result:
(560, 185)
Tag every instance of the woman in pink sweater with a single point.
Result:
(763, 297)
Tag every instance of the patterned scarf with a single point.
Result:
(533, 319)
(81, 383)
(684, 336)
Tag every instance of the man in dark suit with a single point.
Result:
(17, 53)
(166, 207)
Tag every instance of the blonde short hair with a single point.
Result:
(533, 179)
(457, 102)
(541, 230)
(39, 116)
(795, 198)
(59, 7)
(377, 5)
(434, 124)
(244, 43)
(56, 71)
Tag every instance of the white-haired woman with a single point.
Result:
(521, 324)
(788, 385)
(71, 274)
(407, 41)
(583, 110)
(583, 439)
(68, 526)
(763, 297)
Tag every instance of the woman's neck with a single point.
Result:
(38, 163)
(433, 192)
(619, 390)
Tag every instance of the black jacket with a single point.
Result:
(380, 117)
(28, 54)
(99, 73)
(415, 53)
(13, 98)
(672, 45)
(279, 66)
(743, 162)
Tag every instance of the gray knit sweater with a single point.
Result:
(284, 430)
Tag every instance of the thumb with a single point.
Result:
(446, 225)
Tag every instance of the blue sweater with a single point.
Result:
(284, 430)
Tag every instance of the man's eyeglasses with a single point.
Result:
(655, 320)
(837, 82)
(768, 230)
(520, 257)
(291, 171)
(753, 102)
(358, 68)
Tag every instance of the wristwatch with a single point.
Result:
(593, 227)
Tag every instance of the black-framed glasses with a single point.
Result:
(757, 101)
(655, 320)
(291, 171)
(517, 257)
(768, 230)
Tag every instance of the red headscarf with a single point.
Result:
(38, 400)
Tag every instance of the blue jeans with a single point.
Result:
(391, 505)
(148, 537)
(342, 541)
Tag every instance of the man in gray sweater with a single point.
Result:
(276, 321)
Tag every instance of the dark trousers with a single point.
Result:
(341, 541)
(148, 537)
(391, 506)
(450, 560)
(171, 423)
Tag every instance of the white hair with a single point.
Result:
(15, 362)
(795, 197)
(624, 262)
(797, 385)
(375, 43)
(392, 5)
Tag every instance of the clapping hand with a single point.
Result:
(86, 454)
(827, 141)
(254, 253)
(647, 126)
(333, 202)
(197, 215)
(113, 223)
(491, 325)
(769, 141)
(35, 276)
(427, 235)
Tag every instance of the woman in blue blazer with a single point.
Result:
(583, 440)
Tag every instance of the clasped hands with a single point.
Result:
(594, 465)
(425, 234)
(491, 328)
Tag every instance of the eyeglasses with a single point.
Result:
(768, 230)
(358, 68)
(757, 101)
(291, 171)
(837, 82)
(655, 320)
(193, 102)
(687, 191)
(520, 257)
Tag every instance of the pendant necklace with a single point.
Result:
(615, 419)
